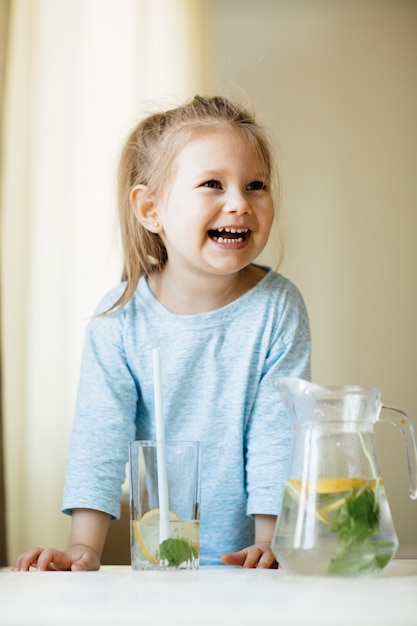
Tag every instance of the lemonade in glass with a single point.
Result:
(172, 542)
(180, 550)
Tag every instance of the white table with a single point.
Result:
(211, 595)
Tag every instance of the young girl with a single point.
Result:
(196, 209)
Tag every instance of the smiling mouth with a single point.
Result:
(229, 235)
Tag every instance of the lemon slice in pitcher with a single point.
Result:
(147, 533)
(330, 485)
(336, 487)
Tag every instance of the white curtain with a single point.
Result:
(80, 73)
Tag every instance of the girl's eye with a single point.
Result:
(256, 185)
(213, 184)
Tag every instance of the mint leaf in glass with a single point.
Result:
(176, 551)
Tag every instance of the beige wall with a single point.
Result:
(336, 82)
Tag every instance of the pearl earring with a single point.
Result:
(156, 224)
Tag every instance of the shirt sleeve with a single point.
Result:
(268, 436)
(104, 421)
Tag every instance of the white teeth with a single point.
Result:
(232, 231)
(224, 240)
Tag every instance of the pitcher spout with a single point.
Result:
(294, 391)
(290, 386)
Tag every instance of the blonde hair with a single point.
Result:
(148, 158)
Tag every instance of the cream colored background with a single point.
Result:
(335, 81)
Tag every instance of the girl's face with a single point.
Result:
(217, 211)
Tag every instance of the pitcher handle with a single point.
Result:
(406, 427)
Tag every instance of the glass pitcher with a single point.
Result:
(335, 518)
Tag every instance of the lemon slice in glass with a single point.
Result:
(147, 533)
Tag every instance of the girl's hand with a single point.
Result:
(259, 555)
(77, 558)
(88, 534)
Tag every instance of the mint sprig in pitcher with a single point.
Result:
(335, 518)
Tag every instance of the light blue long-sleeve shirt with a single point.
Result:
(218, 370)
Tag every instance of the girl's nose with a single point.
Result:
(237, 203)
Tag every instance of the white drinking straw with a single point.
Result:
(160, 448)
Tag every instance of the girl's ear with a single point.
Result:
(145, 208)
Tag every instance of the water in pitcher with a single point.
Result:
(334, 527)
